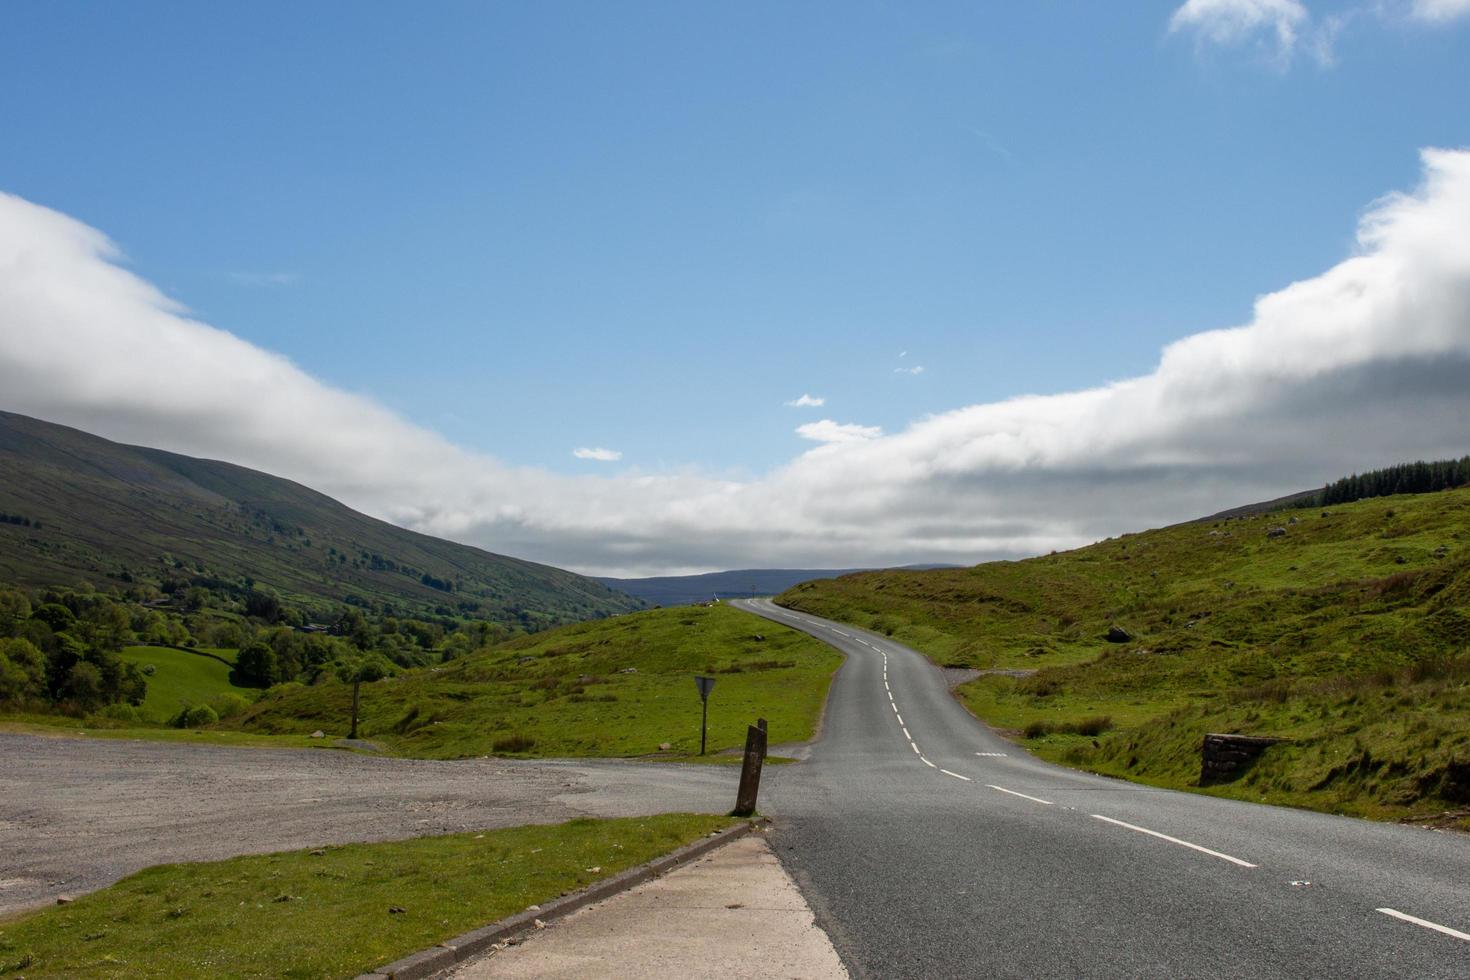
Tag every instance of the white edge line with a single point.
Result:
(1175, 840)
(915, 747)
(900, 717)
(927, 763)
(955, 775)
(1425, 923)
(906, 734)
(1033, 799)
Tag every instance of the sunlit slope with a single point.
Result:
(1345, 631)
(616, 687)
(179, 679)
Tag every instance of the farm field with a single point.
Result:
(182, 678)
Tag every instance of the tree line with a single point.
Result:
(1417, 477)
(59, 648)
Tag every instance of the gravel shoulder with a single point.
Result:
(78, 814)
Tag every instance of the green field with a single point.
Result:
(1346, 634)
(328, 912)
(614, 687)
(182, 678)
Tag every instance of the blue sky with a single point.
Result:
(537, 227)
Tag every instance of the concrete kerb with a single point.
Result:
(437, 959)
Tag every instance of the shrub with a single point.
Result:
(515, 743)
(121, 712)
(228, 705)
(198, 716)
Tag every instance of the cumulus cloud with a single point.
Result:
(1439, 11)
(1234, 21)
(598, 453)
(1360, 366)
(807, 401)
(829, 431)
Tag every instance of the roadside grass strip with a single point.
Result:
(328, 912)
(1174, 840)
(1425, 923)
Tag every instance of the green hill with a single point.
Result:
(618, 687)
(182, 678)
(80, 508)
(1343, 630)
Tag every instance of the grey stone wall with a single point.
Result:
(1224, 757)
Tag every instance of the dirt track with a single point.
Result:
(78, 814)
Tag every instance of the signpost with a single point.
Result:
(705, 685)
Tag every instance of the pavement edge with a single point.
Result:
(451, 952)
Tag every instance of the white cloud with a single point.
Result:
(829, 431)
(916, 369)
(598, 453)
(807, 401)
(1230, 22)
(1439, 11)
(1360, 366)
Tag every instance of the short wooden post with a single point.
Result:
(761, 724)
(356, 685)
(750, 772)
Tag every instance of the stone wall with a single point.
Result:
(1224, 757)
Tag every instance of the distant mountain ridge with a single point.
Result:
(79, 507)
(683, 590)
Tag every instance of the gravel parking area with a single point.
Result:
(78, 814)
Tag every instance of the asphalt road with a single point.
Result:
(931, 847)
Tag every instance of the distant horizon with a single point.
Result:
(641, 292)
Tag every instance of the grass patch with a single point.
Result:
(614, 687)
(330, 912)
(1342, 635)
(181, 678)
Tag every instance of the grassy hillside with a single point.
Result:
(97, 511)
(1346, 633)
(181, 678)
(616, 687)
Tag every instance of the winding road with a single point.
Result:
(931, 847)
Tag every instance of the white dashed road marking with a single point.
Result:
(927, 763)
(1033, 799)
(1175, 840)
(992, 755)
(1426, 923)
(955, 775)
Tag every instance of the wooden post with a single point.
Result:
(356, 684)
(750, 772)
(761, 724)
(703, 723)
